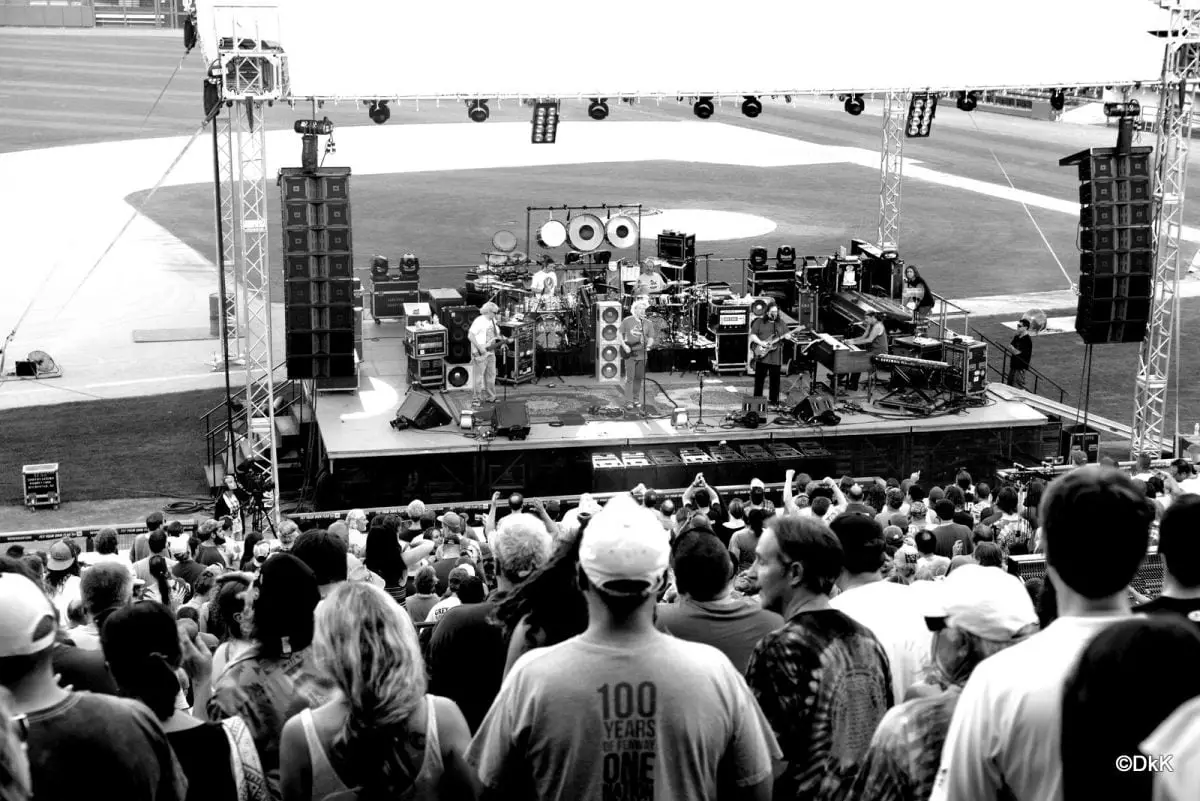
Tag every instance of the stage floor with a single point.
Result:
(356, 425)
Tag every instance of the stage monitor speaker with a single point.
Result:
(422, 410)
(758, 306)
(459, 376)
(812, 407)
(511, 418)
(608, 339)
(457, 320)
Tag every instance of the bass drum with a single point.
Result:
(585, 232)
(552, 234)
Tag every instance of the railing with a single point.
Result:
(1042, 384)
(949, 311)
(219, 439)
(139, 13)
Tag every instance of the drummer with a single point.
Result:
(545, 280)
(651, 281)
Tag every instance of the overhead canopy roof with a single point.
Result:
(440, 49)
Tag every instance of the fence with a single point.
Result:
(139, 13)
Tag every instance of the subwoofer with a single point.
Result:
(622, 231)
(608, 342)
(459, 376)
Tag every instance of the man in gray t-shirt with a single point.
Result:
(622, 710)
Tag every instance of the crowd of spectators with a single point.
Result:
(849, 639)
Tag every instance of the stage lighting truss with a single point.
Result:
(254, 73)
(854, 105)
(379, 112)
(703, 107)
(921, 108)
(967, 101)
(598, 108)
(478, 111)
(545, 122)
(751, 106)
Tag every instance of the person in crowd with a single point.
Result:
(145, 649)
(822, 679)
(245, 562)
(156, 542)
(1004, 740)
(930, 564)
(1179, 548)
(104, 588)
(706, 611)
(468, 650)
(224, 621)
(231, 503)
(917, 518)
(989, 554)
(856, 502)
(1021, 354)
(450, 554)
(890, 611)
(1102, 721)
(701, 499)
(356, 523)
(326, 555)
(419, 605)
(973, 614)
(1012, 531)
(107, 549)
(62, 577)
(76, 741)
(209, 553)
(1179, 734)
(15, 782)
(287, 532)
(17, 551)
(962, 514)
(202, 594)
(186, 569)
(767, 333)
(382, 735)
(164, 587)
(141, 543)
(1033, 499)
(1184, 474)
(952, 539)
(390, 559)
(894, 501)
(273, 679)
(728, 530)
(744, 542)
(454, 584)
(677, 710)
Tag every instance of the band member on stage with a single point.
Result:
(1022, 353)
(875, 340)
(637, 337)
(545, 280)
(918, 297)
(766, 333)
(651, 281)
(485, 339)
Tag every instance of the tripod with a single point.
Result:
(257, 511)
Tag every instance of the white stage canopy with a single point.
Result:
(434, 49)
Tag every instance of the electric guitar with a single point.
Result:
(763, 349)
(497, 342)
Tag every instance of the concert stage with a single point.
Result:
(574, 418)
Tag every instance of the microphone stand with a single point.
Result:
(700, 424)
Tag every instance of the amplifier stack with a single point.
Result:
(426, 346)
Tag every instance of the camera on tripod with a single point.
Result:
(255, 482)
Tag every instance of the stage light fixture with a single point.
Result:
(921, 108)
(751, 106)
(598, 108)
(478, 111)
(703, 108)
(1131, 109)
(379, 112)
(1058, 99)
(785, 257)
(545, 122)
(758, 258)
(313, 127)
(967, 101)
(854, 105)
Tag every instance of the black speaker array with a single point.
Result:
(1116, 240)
(457, 320)
(318, 258)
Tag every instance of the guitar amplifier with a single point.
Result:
(968, 362)
(428, 373)
(516, 365)
(727, 319)
(425, 340)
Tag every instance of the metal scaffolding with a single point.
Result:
(233, 305)
(1181, 67)
(891, 169)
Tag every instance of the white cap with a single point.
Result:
(27, 618)
(985, 601)
(624, 542)
(757, 482)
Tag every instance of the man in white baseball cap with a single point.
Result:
(624, 694)
(76, 741)
(973, 613)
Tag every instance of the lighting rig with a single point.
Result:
(379, 112)
(478, 111)
(309, 130)
(854, 104)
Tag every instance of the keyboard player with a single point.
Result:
(874, 341)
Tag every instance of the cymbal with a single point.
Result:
(575, 281)
(679, 283)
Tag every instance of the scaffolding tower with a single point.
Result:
(891, 169)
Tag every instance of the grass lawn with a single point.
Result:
(133, 447)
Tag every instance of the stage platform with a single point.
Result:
(371, 462)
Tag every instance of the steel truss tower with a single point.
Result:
(1181, 67)
(234, 305)
(891, 169)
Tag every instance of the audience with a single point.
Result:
(419, 605)
(1179, 549)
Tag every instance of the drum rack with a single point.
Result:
(603, 210)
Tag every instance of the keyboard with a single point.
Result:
(887, 359)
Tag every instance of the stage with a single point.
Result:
(574, 418)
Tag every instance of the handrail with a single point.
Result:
(1038, 377)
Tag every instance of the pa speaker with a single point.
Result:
(459, 376)
(421, 410)
(812, 407)
(511, 418)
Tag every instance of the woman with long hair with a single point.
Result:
(224, 620)
(918, 297)
(745, 541)
(389, 558)
(246, 561)
(145, 650)
(164, 587)
(62, 577)
(546, 608)
(383, 736)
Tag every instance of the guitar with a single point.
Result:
(763, 349)
(495, 343)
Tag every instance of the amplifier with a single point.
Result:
(968, 362)
(728, 319)
(425, 340)
(429, 373)
(517, 364)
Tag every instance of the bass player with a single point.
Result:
(766, 341)
(484, 336)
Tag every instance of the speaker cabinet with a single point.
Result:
(813, 407)
(511, 419)
(459, 376)
(608, 342)
(457, 320)
(422, 410)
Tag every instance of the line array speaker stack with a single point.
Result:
(457, 320)
(319, 271)
(1116, 237)
(608, 339)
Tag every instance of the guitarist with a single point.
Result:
(484, 336)
(766, 340)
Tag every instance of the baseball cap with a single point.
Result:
(262, 549)
(27, 618)
(60, 557)
(624, 542)
(985, 601)
(757, 483)
(179, 546)
(452, 522)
